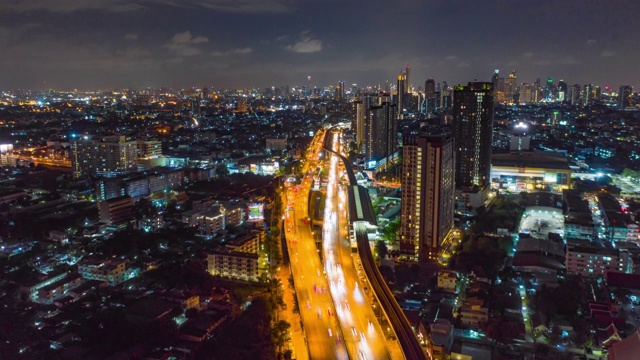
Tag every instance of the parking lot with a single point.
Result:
(539, 221)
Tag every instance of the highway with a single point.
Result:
(321, 327)
(363, 335)
(407, 338)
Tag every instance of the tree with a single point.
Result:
(381, 249)
(280, 333)
(390, 231)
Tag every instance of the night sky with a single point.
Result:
(107, 44)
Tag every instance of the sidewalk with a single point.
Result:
(297, 343)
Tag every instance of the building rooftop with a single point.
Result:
(535, 159)
(628, 348)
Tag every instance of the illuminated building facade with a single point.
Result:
(472, 132)
(428, 191)
(108, 156)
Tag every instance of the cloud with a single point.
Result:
(542, 62)
(591, 42)
(183, 43)
(131, 36)
(240, 51)
(528, 54)
(568, 60)
(607, 53)
(306, 44)
(451, 57)
(282, 37)
(236, 6)
(68, 6)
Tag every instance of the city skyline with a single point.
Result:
(110, 44)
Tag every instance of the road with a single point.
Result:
(324, 338)
(406, 336)
(363, 334)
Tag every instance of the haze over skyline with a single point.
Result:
(103, 44)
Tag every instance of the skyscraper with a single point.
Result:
(562, 91)
(401, 95)
(526, 94)
(428, 166)
(574, 94)
(625, 99)
(494, 81)
(381, 129)
(407, 71)
(361, 113)
(587, 94)
(429, 94)
(472, 131)
(510, 87)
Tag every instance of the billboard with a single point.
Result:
(256, 211)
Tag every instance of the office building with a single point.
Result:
(108, 156)
(428, 192)
(625, 97)
(472, 132)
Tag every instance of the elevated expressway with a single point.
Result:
(360, 217)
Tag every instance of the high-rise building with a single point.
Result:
(407, 71)
(526, 94)
(401, 93)
(382, 134)
(562, 91)
(587, 94)
(428, 191)
(494, 81)
(472, 131)
(361, 114)
(625, 97)
(574, 94)
(510, 87)
(429, 95)
(108, 157)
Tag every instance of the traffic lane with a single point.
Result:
(314, 299)
(357, 315)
